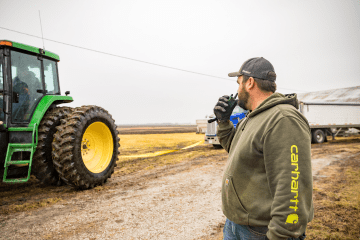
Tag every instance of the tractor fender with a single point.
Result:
(45, 103)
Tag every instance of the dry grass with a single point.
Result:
(135, 144)
(24, 204)
(337, 203)
(126, 166)
(33, 205)
(343, 144)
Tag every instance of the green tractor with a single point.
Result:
(78, 146)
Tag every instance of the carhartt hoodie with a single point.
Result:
(267, 179)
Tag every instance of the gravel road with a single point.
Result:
(180, 201)
(175, 202)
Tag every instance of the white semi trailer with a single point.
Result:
(325, 119)
(328, 118)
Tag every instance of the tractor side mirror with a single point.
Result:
(15, 97)
(67, 93)
(41, 91)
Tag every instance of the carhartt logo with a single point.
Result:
(227, 182)
(294, 177)
(292, 218)
(246, 71)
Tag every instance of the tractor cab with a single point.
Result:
(78, 146)
(28, 79)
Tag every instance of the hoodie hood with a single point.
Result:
(273, 100)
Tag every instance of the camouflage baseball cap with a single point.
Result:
(258, 68)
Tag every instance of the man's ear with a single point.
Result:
(250, 83)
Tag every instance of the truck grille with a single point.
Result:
(211, 128)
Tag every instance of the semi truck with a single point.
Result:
(201, 125)
(210, 134)
(329, 118)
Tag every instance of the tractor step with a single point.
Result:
(20, 147)
(12, 149)
(17, 180)
(17, 162)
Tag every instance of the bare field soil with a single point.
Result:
(172, 196)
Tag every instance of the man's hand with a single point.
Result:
(224, 108)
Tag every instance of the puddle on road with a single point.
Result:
(320, 163)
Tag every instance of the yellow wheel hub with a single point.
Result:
(97, 147)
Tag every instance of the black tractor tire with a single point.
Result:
(71, 147)
(42, 165)
(318, 136)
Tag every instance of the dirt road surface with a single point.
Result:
(180, 201)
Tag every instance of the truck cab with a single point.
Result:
(210, 135)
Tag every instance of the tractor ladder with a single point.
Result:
(21, 147)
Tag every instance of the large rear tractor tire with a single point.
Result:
(86, 147)
(42, 166)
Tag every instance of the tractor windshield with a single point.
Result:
(26, 81)
(1, 90)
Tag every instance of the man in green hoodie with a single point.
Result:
(267, 182)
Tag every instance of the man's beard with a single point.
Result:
(243, 98)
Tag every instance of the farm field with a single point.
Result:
(156, 129)
(174, 195)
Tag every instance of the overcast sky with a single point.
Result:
(313, 45)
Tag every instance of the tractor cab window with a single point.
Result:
(1, 90)
(26, 81)
(51, 79)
